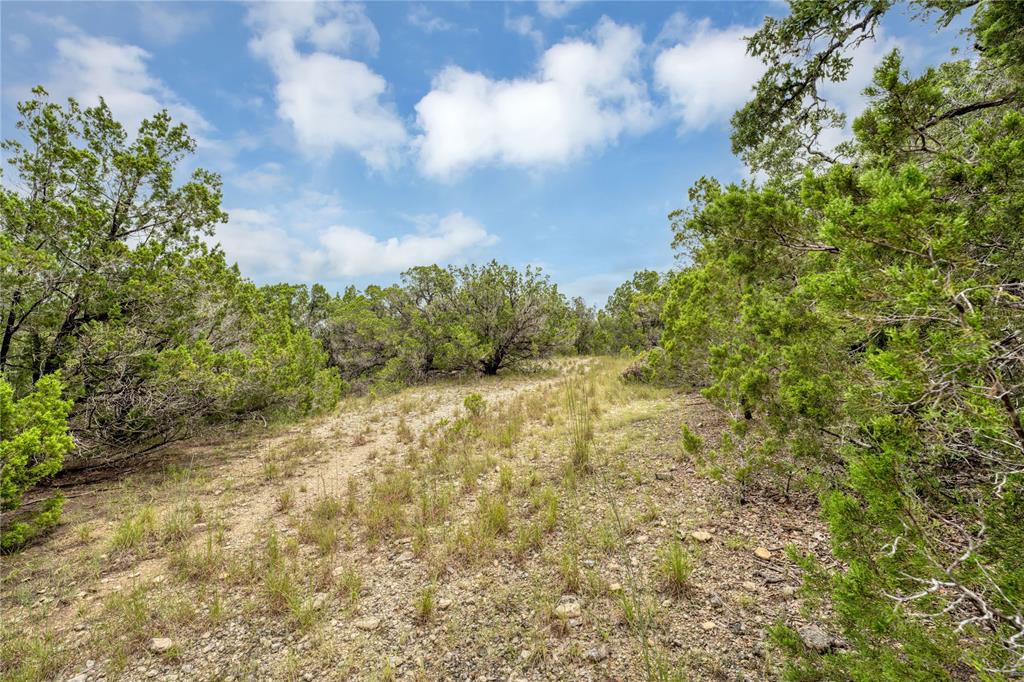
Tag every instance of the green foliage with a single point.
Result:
(675, 566)
(33, 442)
(862, 324)
(631, 319)
(474, 318)
(475, 404)
(107, 278)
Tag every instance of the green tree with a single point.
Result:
(106, 277)
(511, 315)
(631, 318)
(861, 320)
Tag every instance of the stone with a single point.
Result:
(368, 624)
(701, 536)
(663, 476)
(404, 557)
(762, 553)
(443, 603)
(597, 653)
(788, 591)
(320, 600)
(615, 587)
(709, 625)
(80, 677)
(749, 586)
(569, 610)
(161, 645)
(737, 628)
(588, 563)
(814, 638)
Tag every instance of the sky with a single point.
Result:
(358, 140)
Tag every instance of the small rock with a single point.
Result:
(815, 638)
(597, 654)
(319, 600)
(81, 677)
(763, 553)
(737, 628)
(368, 623)
(569, 610)
(443, 603)
(588, 563)
(788, 591)
(701, 536)
(404, 557)
(709, 625)
(614, 587)
(160, 645)
(667, 603)
(663, 476)
(749, 586)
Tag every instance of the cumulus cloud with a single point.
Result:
(331, 102)
(352, 252)
(268, 245)
(707, 73)
(88, 67)
(584, 95)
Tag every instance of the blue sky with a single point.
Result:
(357, 140)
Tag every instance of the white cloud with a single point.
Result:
(523, 25)
(707, 75)
(584, 95)
(301, 240)
(165, 23)
(557, 9)
(422, 18)
(89, 67)
(267, 177)
(351, 252)
(331, 102)
(260, 246)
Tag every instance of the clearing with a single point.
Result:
(554, 530)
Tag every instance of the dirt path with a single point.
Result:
(356, 438)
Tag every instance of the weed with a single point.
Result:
(675, 566)
(134, 530)
(425, 603)
(285, 499)
(492, 515)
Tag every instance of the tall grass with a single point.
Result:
(580, 423)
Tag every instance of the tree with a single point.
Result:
(585, 323)
(862, 323)
(33, 442)
(632, 316)
(511, 316)
(105, 276)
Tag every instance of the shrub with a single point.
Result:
(33, 441)
(475, 404)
